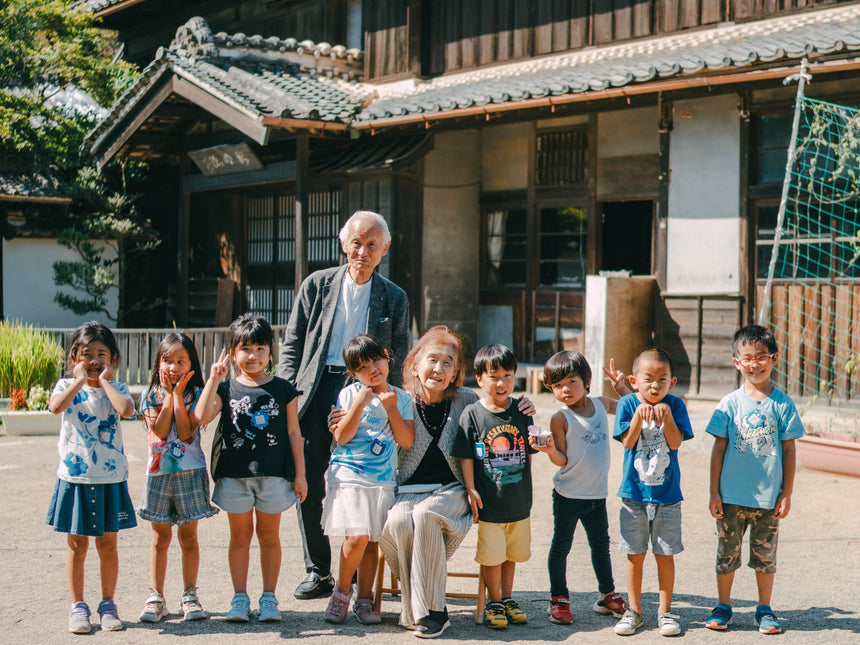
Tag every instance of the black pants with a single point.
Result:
(318, 441)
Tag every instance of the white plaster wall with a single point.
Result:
(628, 132)
(704, 232)
(451, 240)
(505, 157)
(28, 284)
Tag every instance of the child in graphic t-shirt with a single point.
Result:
(492, 443)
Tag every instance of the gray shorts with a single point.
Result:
(176, 498)
(659, 523)
(764, 535)
(266, 494)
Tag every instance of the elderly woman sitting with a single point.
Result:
(431, 513)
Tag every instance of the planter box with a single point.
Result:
(829, 455)
(30, 423)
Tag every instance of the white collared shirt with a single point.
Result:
(350, 317)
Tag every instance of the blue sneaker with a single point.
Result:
(766, 621)
(269, 612)
(720, 618)
(240, 609)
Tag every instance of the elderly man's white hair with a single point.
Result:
(375, 217)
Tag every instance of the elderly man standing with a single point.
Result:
(333, 306)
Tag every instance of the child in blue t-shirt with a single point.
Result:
(360, 479)
(651, 424)
(752, 473)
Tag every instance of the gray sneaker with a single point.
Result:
(269, 612)
(108, 617)
(79, 619)
(629, 623)
(668, 624)
(366, 612)
(191, 607)
(155, 608)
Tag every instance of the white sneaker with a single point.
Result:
(191, 607)
(629, 623)
(668, 624)
(155, 608)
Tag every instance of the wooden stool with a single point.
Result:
(394, 588)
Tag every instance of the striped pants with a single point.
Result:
(421, 532)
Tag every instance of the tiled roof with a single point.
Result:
(719, 49)
(317, 82)
(32, 182)
(261, 77)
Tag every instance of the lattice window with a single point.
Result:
(562, 158)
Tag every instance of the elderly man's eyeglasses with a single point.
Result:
(749, 361)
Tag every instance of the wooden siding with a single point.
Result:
(817, 328)
(697, 331)
(457, 35)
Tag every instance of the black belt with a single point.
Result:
(335, 369)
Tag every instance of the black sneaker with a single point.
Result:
(314, 586)
(433, 625)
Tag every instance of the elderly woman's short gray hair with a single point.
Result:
(375, 217)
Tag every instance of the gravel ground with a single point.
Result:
(815, 596)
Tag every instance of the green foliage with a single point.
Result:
(110, 218)
(28, 357)
(47, 46)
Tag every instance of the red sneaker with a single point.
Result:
(611, 604)
(559, 611)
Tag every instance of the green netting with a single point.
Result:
(811, 298)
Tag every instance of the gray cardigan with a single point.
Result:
(305, 345)
(409, 460)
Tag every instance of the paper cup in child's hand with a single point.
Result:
(541, 436)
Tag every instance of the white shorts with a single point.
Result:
(356, 510)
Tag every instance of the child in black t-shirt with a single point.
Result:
(493, 444)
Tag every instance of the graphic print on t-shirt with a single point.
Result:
(755, 434)
(259, 420)
(651, 460)
(504, 455)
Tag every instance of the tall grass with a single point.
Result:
(28, 357)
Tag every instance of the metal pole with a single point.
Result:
(802, 78)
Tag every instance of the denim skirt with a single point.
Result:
(90, 509)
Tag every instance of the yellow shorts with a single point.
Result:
(498, 543)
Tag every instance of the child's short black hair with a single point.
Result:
(91, 332)
(654, 354)
(249, 329)
(562, 365)
(752, 334)
(361, 350)
(494, 357)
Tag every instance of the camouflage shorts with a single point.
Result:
(764, 532)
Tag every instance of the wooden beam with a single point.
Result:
(231, 113)
(272, 174)
(302, 208)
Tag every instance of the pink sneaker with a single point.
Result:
(366, 612)
(338, 606)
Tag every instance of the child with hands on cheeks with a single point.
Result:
(91, 494)
(257, 457)
(177, 485)
(360, 480)
(651, 424)
(579, 446)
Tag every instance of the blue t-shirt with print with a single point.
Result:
(651, 473)
(370, 457)
(752, 466)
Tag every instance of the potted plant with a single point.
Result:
(31, 360)
(832, 441)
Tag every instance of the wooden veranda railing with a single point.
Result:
(137, 348)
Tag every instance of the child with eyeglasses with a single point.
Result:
(752, 473)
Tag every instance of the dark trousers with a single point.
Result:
(318, 440)
(592, 514)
